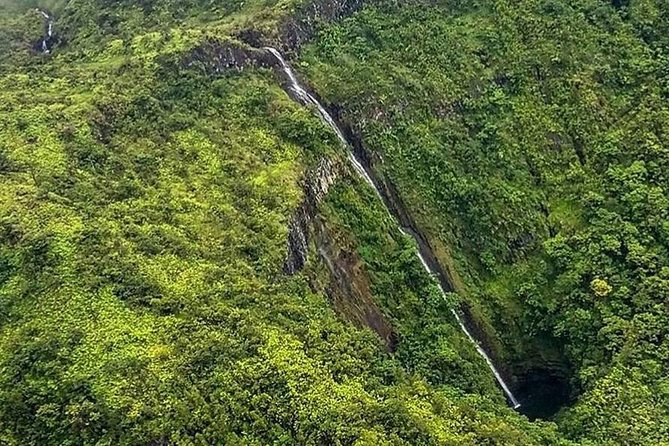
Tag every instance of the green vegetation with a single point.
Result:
(531, 138)
(430, 342)
(143, 217)
(145, 206)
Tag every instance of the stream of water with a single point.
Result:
(49, 31)
(307, 99)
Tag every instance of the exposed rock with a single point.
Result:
(215, 57)
(317, 184)
(46, 43)
(302, 24)
(350, 286)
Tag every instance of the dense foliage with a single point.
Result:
(144, 211)
(531, 138)
(143, 218)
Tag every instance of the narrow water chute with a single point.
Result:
(49, 31)
(307, 99)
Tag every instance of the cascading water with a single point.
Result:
(307, 99)
(49, 31)
(479, 349)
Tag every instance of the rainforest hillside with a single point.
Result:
(465, 196)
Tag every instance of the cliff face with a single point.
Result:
(349, 285)
(215, 57)
(290, 35)
(301, 25)
(316, 186)
(348, 278)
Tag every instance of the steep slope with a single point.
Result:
(148, 185)
(529, 139)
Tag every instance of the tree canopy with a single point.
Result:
(145, 206)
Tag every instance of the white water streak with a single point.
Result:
(479, 349)
(49, 35)
(308, 99)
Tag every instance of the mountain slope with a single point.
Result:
(530, 139)
(152, 168)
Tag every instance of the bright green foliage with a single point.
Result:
(144, 212)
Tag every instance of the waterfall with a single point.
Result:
(307, 99)
(463, 327)
(49, 31)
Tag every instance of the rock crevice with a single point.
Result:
(316, 185)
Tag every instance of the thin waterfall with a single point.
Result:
(307, 99)
(479, 349)
(49, 31)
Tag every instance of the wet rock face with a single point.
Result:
(215, 57)
(298, 242)
(349, 287)
(49, 39)
(320, 180)
(317, 183)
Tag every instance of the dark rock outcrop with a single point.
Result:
(301, 25)
(349, 287)
(317, 184)
(216, 56)
(46, 43)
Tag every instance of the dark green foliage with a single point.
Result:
(531, 137)
(144, 210)
(430, 342)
